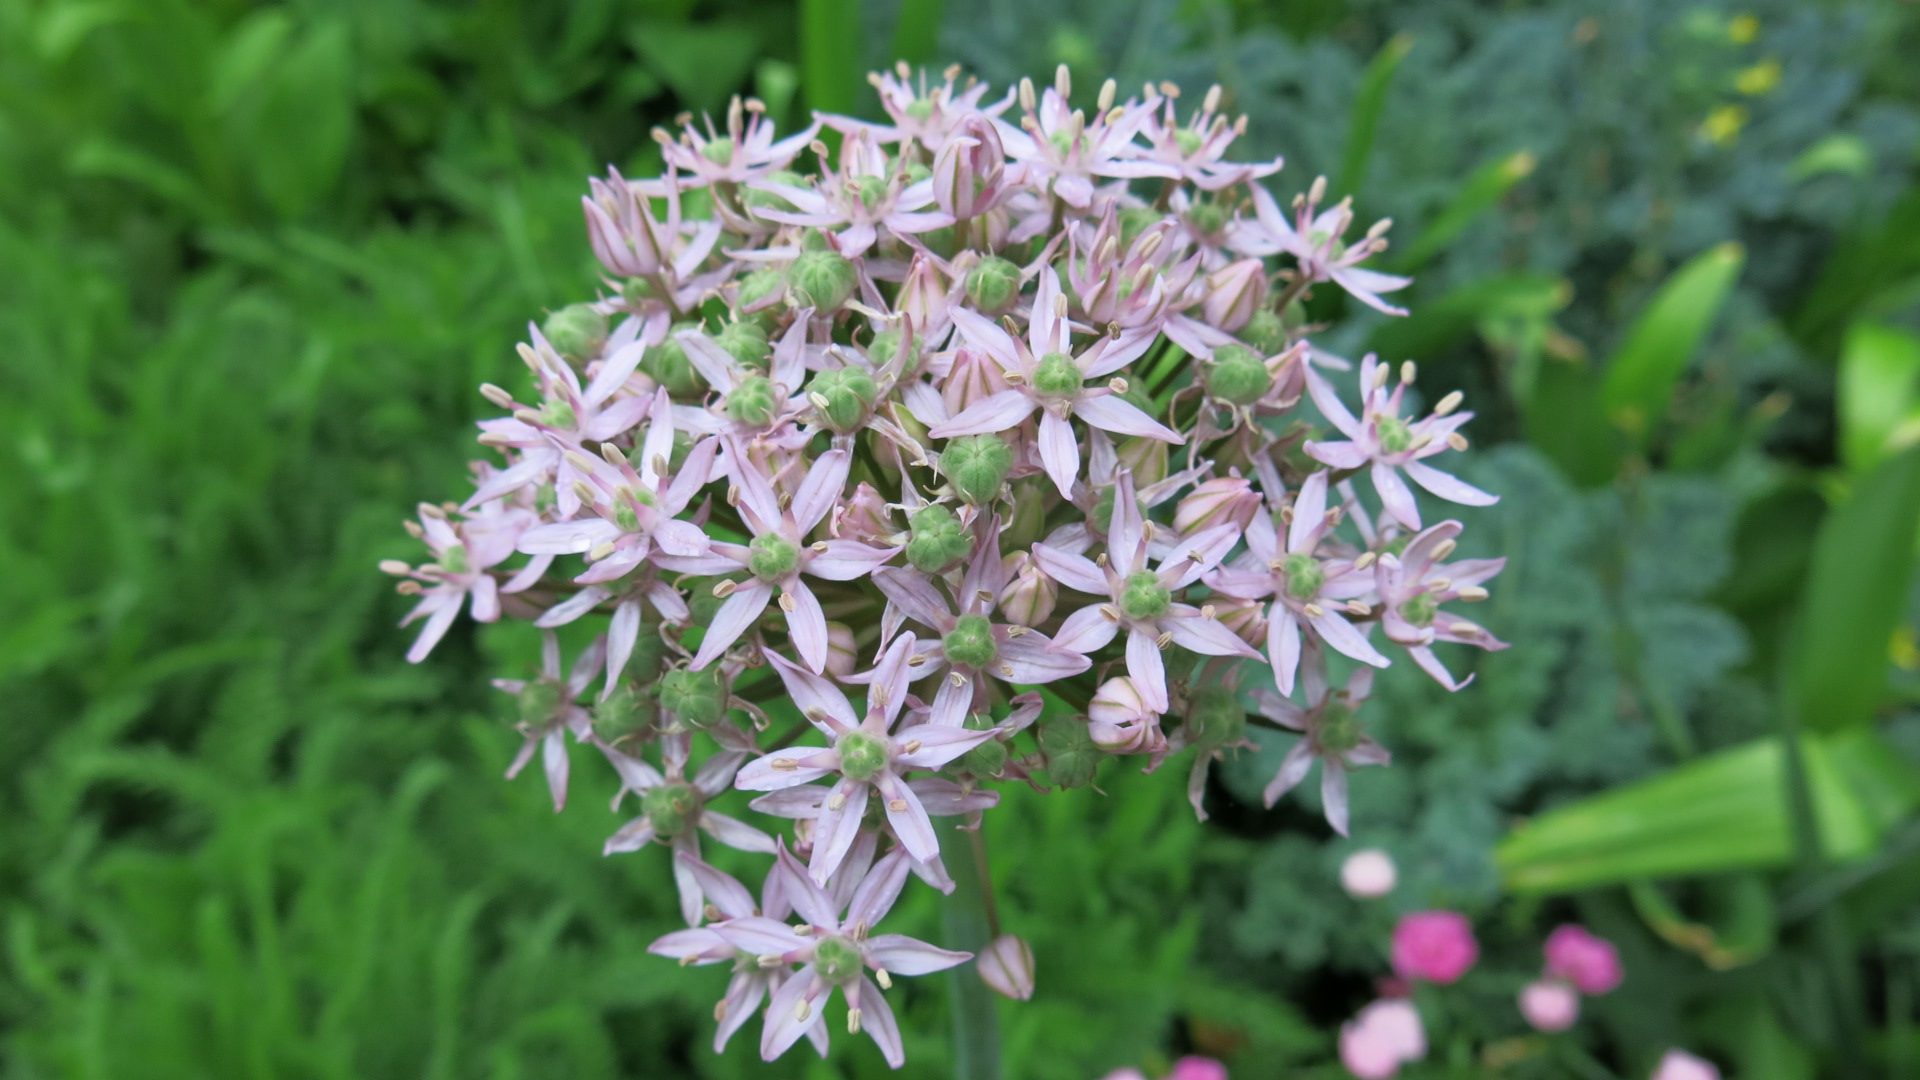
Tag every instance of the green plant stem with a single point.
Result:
(969, 920)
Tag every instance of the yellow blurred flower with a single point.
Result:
(1722, 125)
(1742, 29)
(1759, 79)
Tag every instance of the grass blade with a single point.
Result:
(1368, 105)
(1639, 381)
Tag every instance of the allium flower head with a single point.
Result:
(1434, 946)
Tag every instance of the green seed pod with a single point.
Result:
(989, 759)
(1144, 596)
(758, 286)
(1395, 436)
(1206, 217)
(939, 540)
(1265, 332)
(1069, 751)
(454, 559)
(970, 643)
(719, 151)
(746, 342)
(752, 401)
(837, 960)
(993, 285)
(976, 466)
(635, 292)
(1304, 575)
(1057, 376)
(822, 280)
(625, 713)
(1215, 718)
(671, 807)
(667, 364)
(772, 557)
(1420, 609)
(1187, 140)
(1338, 731)
(576, 332)
(844, 398)
(862, 756)
(872, 189)
(1135, 220)
(540, 701)
(1237, 376)
(696, 697)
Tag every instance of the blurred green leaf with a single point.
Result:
(701, 62)
(916, 39)
(1437, 325)
(830, 66)
(1723, 812)
(1639, 380)
(1842, 152)
(1368, 104)
(1874, 258)
(1481, 192)
(1855, 593)
(302, 120)
(1879, 377)
(1565, 421)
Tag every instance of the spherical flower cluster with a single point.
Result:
(1434, 946)
(1577, 962)
(859, 450)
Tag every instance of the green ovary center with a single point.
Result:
(1145, 597)
(1304, 576)
(751, 402)
(670, 807)
(872, 190)
(1420, 609)
(862, 756)
(970, 643)
(1187, 140)
(1338, 732)
(1395, 436)
(719, 151)
(837, 959)
(772, 558)
(1056, 376)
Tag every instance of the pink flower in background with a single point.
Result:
(1590, 963)
(1194, 1067)
(1680, 1065)
(1550, 1005)
(1386, 1035)
(1434, 946)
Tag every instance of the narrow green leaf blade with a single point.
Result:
(1641, 377)
(916, 39)
(1879, 367)
(1368, 105)
(1481, 192)
(830, 64)
(1856, 590)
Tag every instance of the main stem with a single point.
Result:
(976, 1016)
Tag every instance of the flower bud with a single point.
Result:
(1435, 946)
(1216, 502)
(1032, 498)
(621, 229)
(695, 697)
(1236, 376)
(974, 377)
(1068, 750)
(1550, 1005)
(1386, 1034)
(1590, 963)
(923, 296)
(844, 398)
(1234, 293)
(1246, 618)
(1146, 458)
(1368, 874)
(968, 174)
(1119, 720)
(842, 652)
(667, 364)
(1029, 595)
(576, 332)
(939, 540)
(1006, 964)
(623, 714)
(993, 285)
(1680, 1065)
(863, 516)
(977, 466)
(746, 342)
(822, 280)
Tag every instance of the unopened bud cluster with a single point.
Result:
(858, 451)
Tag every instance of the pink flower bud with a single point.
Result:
(1591, 963)
(923, 297)
(975, 377)
(1029, 595)
(968, 173)
(1550, 1005)
(1435, 946)
(842, 654)
(864, 517)
(1007, 965)
(1385, 1035)
(1194, 1067)
(1215, 502)
(621, 229)
(1234, 293)
(1120, 722)
(1244, 617)
(1367, 874)
(1680, 1065)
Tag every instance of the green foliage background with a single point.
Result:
(255, 258)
